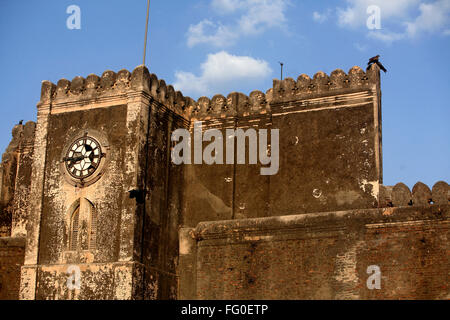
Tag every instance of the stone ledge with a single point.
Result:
(335, 222)
(12, 242)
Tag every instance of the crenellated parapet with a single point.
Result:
(421, 195)
(321, 84)
(113, 85)
(236, 104)
(286, 90)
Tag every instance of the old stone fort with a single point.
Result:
(90, 187)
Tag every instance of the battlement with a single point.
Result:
(112, 84)
(219, 106)
(337, 82)
(421, 195)
(286, 90)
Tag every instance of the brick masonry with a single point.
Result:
(324, 256)
(11, 259)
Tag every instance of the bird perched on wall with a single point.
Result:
(21, 122)
(376, 60)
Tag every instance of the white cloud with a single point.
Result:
(226, 6)
(433, 18)
(222, 73)
(221, 36)
(320, 17)
(255, 17)
(262, 14)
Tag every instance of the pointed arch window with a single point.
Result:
(83, 226)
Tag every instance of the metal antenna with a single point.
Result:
(281, 64)
(146, 31)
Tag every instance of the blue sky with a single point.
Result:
(205, 47)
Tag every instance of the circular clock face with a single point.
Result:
(83, 157)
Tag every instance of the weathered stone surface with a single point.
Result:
(47, 91)
(62, 88)
(77, 85)
(385, 199)
(401, 196)
(108, 79)
(325, 255)
(11, 258)
(441, 193)
(140, 79)
(421, 194)
(15, 180)
(92, 83)
(142, 227)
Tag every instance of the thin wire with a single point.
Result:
(146, 31)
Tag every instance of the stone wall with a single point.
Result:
(99, 281)
(162, 205)
(15, 180)
(11, 259)
(320, 256)
(330, 149)
(136, 198)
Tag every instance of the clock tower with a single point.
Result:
(98, 227)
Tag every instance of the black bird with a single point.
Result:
(21, 121)
(374, 59)
(377, 62)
